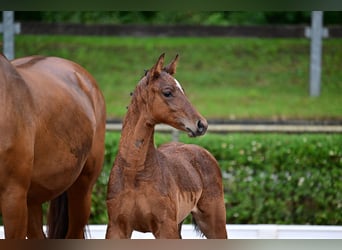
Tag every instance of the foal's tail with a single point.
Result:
(197, 229)
(58, 218)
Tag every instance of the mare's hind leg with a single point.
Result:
(79, 203)
(210, 217)
(79, 196)
(35, 221)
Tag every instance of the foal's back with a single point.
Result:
(192, 166)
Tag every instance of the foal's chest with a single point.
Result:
(145, 208)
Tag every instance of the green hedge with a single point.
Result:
(268, 178)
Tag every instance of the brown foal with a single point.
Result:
(153, 190)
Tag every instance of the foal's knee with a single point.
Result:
(114, 232)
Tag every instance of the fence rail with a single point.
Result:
(265, 31)
(249, 128)
(268, 231)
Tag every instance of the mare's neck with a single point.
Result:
(136, 148)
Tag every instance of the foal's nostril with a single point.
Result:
(200, 126)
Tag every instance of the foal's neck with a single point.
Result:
(136, 147)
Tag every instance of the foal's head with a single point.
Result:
(163, 100)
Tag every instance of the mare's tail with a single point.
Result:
(58, 218)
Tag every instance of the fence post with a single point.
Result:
(175, 135)
(316, 33)
(9, 29)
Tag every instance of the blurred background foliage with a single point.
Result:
(178, 17)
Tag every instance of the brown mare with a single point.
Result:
(153, 190)
(52, 128)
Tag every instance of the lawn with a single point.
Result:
(225, 78)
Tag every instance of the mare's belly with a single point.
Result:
(55, 169)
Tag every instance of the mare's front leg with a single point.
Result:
(35, 221)
(14, 181)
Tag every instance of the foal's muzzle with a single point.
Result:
(200, 128)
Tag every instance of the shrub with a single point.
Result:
(268, 178)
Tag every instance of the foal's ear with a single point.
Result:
(171, 68)
(157, 68)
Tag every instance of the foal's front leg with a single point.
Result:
(168, 230)
(114, 231)
(118, 224)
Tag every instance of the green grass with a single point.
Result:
(226, 78)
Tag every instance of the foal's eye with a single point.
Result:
(167, 93)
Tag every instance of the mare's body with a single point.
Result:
(52, 123)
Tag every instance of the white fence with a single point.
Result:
(253, 128)
(240, 232)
